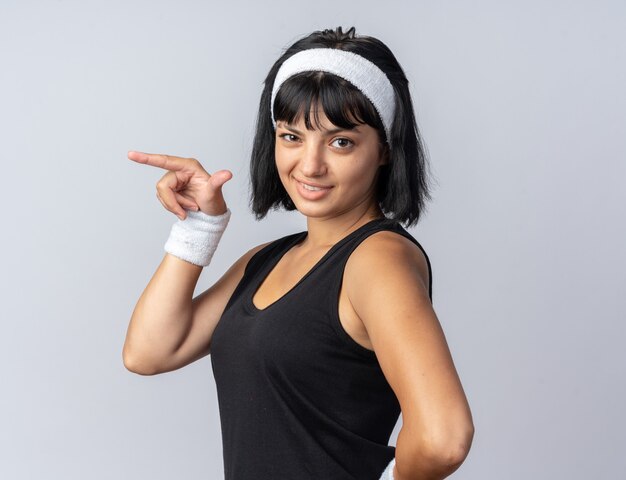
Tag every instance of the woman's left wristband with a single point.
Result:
(195, 239)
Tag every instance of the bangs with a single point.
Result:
(344, 105)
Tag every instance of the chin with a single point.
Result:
(313, 211)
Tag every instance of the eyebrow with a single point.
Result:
(330, 132)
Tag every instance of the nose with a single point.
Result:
(312, 162)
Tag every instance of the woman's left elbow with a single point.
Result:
(454, 450)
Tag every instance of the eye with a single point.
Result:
(285, 135)
(346, 142)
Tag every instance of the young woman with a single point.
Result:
(319, 339)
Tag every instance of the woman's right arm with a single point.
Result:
(168, 329)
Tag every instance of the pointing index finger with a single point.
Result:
(167, 162)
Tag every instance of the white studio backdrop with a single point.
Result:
(522, 109)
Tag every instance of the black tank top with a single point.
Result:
(299, 399)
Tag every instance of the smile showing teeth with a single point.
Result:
(309, 187)
(312, 192)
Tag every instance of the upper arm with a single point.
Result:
(207, 309)
(407, 337)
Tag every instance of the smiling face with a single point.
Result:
(328, 171)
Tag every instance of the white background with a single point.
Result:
(522, 109)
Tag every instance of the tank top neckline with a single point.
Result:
(249, 303)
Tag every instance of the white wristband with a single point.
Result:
(388, 472)
(195, 238)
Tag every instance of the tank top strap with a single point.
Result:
(347, 245)
(328, 272)
(261, 261)
(274, 249)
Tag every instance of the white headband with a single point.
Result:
(359, 71)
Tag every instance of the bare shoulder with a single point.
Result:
(387, 251)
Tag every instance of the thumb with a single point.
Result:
(219, 178)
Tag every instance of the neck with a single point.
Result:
(324, 232)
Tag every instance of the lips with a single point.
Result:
(312, 191)
(311, 184)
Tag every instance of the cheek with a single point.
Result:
(282, 160)
(283, 167)
(279, 161)
(359, 172)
